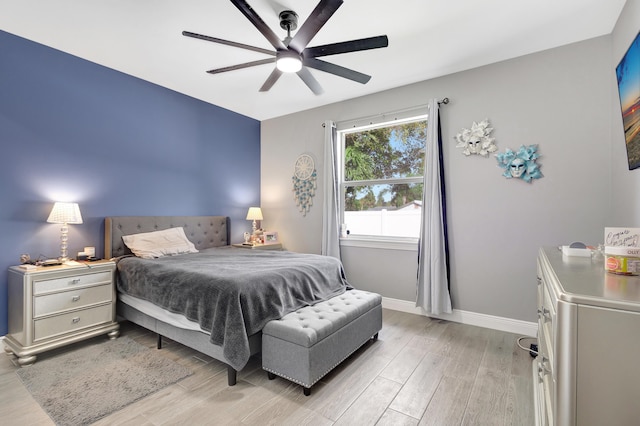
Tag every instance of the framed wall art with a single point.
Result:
(628, 76)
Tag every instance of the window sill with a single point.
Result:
(408, 244)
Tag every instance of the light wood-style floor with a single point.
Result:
(420, 372)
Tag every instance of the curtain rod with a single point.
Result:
(440, 102)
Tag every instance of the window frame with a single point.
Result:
(364, 240)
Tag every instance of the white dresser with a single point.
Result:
(588, 369)
(54, 306)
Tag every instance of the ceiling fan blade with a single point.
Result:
(320, 15)
(241, 66)
(336, 70)
(248, 11)
(347, 46)
(271, 80)
(228, 43)
(310, 81)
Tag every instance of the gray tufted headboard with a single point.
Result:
(203, 231)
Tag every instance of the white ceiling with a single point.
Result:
(427, 39)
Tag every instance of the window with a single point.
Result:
(382, 178)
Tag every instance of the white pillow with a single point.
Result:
(149, 245)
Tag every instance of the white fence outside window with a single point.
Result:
(387, 223)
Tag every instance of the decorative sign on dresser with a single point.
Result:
(53, 306)
(587, 370)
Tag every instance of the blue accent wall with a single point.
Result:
(72, 130)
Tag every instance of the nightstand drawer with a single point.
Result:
(65, 323)
(71, 281)
(74, 299)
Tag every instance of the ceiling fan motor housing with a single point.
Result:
(288, 20)
(288, 60)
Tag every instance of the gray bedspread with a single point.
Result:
(233, 292)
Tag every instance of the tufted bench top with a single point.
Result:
(311, 324)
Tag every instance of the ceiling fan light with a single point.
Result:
(289, 63)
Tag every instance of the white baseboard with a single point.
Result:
(465, 317)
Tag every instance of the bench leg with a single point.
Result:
(305, 390)
(159, 344)
(375, 336)
(231, 376)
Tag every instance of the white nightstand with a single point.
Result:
(54, 306)
(274, 246)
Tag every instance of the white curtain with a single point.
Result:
(433, 281)
(330, 212)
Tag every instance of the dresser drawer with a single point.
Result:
(71, 281)
(51, 326)
(74, 299)
(547, 325)
(548, 387)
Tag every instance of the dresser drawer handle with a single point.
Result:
(544, 314)
(75, 298)
(543, 367)
(75, 281)
(542, 371)
(75, 320)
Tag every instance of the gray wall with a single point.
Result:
(626, 183)
(559, 99)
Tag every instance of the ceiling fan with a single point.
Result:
(292, 54)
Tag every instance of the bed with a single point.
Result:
(217, 300)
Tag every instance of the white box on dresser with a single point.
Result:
(54, 306)
(587, 371)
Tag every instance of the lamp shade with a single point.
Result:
(254, 213)
(65, 213)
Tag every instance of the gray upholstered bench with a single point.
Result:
(306, 344)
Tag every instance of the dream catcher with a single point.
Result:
(304, 183)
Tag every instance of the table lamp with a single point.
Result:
(254, 214)
(65, 213)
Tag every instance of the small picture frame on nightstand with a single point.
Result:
(270, 237)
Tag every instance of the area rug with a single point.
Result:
(80, 386)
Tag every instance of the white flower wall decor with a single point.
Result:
(476, 140)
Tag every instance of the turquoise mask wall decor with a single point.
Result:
(521, 164)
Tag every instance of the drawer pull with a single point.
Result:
(75, 320)
(75, 298)
(543, 368)
(544, 314)
(542, 371)
(75, 281)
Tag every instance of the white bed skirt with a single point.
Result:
(148, 308)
